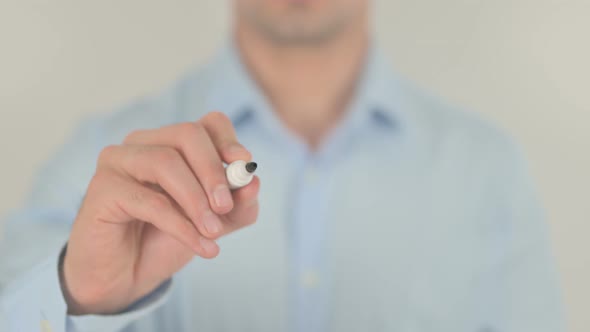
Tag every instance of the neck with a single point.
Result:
(308, 86)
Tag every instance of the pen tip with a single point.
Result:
(251, 167)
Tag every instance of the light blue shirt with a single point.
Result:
(412, 216)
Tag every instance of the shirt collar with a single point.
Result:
(376, 99)
(232, 90)
(235, 93)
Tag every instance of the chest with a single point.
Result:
(401, 244)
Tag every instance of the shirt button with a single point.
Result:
(45, 327)
(310, 280)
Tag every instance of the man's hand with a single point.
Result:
(155, 201)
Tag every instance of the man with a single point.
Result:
(381, 209)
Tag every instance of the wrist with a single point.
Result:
(72, 308)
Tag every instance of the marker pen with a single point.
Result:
(240, 173)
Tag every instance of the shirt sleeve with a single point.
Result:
(31, 296)
(113, 323)
(35, 302)
(526, 294)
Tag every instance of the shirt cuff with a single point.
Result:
(34, 302)
(108, 323)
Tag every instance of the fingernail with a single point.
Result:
(212, 223)
(208, 246)
(222, 196)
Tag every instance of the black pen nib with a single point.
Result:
(251, 167)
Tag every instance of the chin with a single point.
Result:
(300, 21)
(287, 5)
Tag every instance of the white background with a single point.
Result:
(522, 63)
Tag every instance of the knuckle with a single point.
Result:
(187, 131)
(198, 128)
(157, 202)
(216, 117)
(137, 196)
(98, 181)
(166, 156)
(132, 136)
(101, 176)
(107, 153)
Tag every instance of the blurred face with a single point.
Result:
(301, 21)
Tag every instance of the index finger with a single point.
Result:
(224, 138)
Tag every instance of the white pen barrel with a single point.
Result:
(238, 175)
